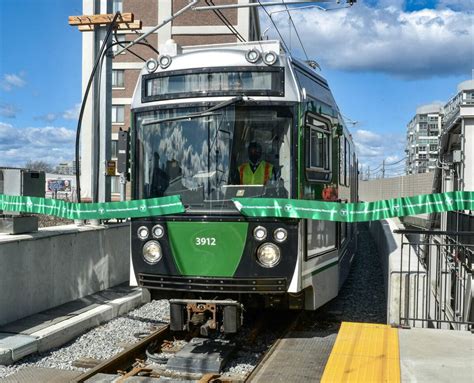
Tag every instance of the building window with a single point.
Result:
(118, 112)
(120, 39)
(433, 148)
(115, 184)
(113, 148)
(117, 78)
(117, 6)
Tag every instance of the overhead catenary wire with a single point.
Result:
(226, 22)
(296, 30)
(275, 26)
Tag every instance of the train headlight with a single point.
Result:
(151, 65)
(270, 57)
(268, 255)
(280, 235)
(260, 233)
(252, 56)
(165, 61)
(143, 232)
(157, 231)
(152, 252)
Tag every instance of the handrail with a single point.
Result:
(431, 232)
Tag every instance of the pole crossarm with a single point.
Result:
(100, 19)
(133, 26)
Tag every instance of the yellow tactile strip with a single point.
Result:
(364, 352)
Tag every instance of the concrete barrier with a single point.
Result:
(59, 264)
(389, 246)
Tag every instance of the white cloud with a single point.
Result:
(424, 43)
(49, 117)
(11, 81)
(8, 110)
(457, 5)
(373, 148)
(49, 144)
(73, 113)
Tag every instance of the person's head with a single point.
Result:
(255, 152)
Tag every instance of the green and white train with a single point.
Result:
(195, 113)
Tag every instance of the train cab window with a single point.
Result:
(318, 149)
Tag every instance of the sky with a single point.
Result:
(382, 60)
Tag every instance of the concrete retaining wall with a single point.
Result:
(389, 246)
(405, 186)
(60, 264)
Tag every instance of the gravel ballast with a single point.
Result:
(99, 343)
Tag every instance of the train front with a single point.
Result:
(211, 124)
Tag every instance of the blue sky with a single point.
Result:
(382, 59)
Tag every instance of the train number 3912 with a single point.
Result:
(205, 241)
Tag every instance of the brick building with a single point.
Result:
(190, 28)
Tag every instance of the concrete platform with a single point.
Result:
(371, 353)
(429, 355)
(54, 327)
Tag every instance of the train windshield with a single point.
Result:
(211, 157)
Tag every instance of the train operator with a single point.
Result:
(256, 171)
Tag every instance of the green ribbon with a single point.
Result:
(107, 210)
(251, 207)
(355, 212)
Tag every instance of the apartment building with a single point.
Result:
(190, 28)
(423, 133)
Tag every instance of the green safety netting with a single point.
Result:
(252, 207)
(356, 212)
(126, 209)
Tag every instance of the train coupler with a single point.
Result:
(209, 315)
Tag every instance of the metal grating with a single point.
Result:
(300, 357)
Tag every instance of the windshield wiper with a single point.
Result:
(204, 113)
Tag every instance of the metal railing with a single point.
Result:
(436, 279)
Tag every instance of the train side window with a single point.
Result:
(348, 163)
(318, 149)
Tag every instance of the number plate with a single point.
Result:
(205, 241)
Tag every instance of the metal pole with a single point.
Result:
(105, 121)
(153, 30)
(252, 5)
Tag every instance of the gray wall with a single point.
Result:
(404, 186)
(59, 264)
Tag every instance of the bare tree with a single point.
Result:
(39, 166)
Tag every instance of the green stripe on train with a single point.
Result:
(252, 207)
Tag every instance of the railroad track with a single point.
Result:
(133, 360)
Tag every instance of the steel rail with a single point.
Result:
(127, 357)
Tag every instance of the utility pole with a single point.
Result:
(368, 173)
(383, 168)
(96, 135)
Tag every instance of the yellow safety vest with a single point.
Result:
(260, 177)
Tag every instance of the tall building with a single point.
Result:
(423, 133)
(457, 139)
(190, 28)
